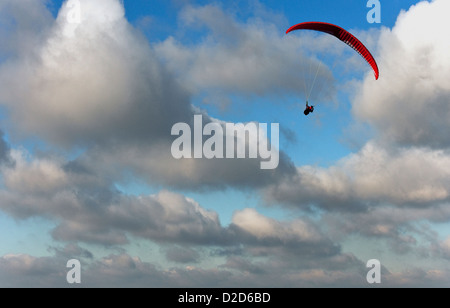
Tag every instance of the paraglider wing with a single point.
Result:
(342, 35)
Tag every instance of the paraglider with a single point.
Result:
(308, 109)
(342, 35)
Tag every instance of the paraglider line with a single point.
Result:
(314, 81)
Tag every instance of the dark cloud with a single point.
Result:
(5, 152)
(124, 271)
(23, 25)
(71, 251)
(182, 254)
(244, 265)
(156, 165)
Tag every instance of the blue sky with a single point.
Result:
(87, 173)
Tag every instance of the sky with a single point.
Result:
(90, 91)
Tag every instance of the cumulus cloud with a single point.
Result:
(403, 230)
(28, 271)
(86, 208)
(374, 175)
(267, 236)
(409, 105)
(89, 209)
(96, 83)
(260, 227)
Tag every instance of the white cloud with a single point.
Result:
(409, 104)
(96, 83)
(263, 227)
(415, 176)
(36, 176)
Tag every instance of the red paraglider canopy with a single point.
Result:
(342, 35)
